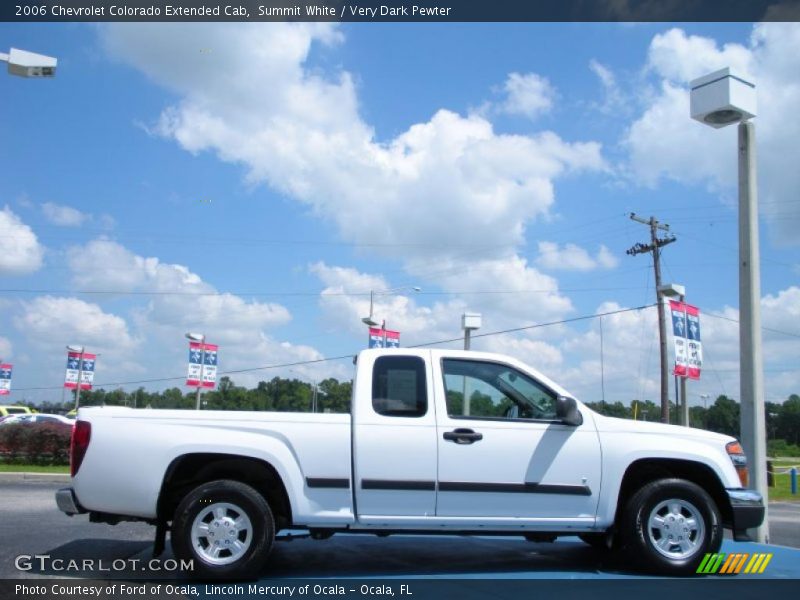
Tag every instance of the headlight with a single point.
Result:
(739, 461)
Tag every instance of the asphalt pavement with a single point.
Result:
(32, 526)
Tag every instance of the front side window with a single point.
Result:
(481, 389)
(398, 386)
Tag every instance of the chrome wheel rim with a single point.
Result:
(221, 533)
(676, 529)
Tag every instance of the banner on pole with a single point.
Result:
(383, 338)
(5, 379)
(202, 365)
(686, 337)
(74, 368)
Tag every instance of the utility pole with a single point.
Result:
(655, 248)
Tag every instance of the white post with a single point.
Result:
(202, 369)
(80, 376)
(683, 407)
(750, 359)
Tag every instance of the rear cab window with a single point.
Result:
(399, 387)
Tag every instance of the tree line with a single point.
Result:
(332, 395)
(278, 394)
(723, 416)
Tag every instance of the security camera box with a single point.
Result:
(722, 91)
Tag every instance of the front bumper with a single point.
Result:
(747, 511)
(68, 503)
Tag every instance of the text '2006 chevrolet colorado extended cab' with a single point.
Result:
(437, 442)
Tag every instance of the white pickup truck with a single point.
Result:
(437, 442)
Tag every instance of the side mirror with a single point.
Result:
(567, 411)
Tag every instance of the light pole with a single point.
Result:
(29, 64)
(314, 389)
(81, 350)
(370, 320)
(720, 99)
(682, 404)
(199, 337)
(469, 323)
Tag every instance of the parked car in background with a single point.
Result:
(29, 419)
(6, 411)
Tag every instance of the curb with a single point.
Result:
(21, 477)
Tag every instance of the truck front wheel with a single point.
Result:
(225, 527)
(669, 525)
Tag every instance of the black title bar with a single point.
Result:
(403, 11)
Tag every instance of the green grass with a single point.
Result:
(6, 468)
(782, 491)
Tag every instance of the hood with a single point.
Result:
(616, 425)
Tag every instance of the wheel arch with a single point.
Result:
(643, 471)
(187, 471)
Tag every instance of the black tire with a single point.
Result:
(226, 528)
(676, 508)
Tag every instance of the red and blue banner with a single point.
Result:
(5, 379)
(80, 365)
(686, 337)
(383, 338)
(202, 365)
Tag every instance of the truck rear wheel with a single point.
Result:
(226, 528)
(669, 525)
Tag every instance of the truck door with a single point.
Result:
(503, 454)
(394, 438)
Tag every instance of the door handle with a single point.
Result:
(462, 436)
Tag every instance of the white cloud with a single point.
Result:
(20, 251)
(55, 321)
(782, 310)
(528, 95)
(614, 101)
(227, 317)
(418, 197)
(5, 348)
(665, 143)
(526, 297)
(346, 300)
(50, 323)
(64, 216)
(301, 133)
(571, 257)
(181, 302)
(679, 57)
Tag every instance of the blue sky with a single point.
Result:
(256, 181)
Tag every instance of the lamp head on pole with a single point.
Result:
(195, 337)
(72, 348)
(471, 321)
(370, 321)
(672, 290)
(722, 98)
(29, 64)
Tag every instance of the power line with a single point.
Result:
(732, 320)
(312, 293)
(350, 356)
